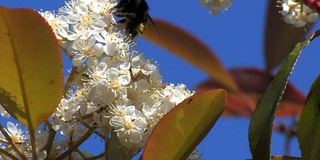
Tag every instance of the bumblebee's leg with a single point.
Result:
(122, 21)
(118, 14)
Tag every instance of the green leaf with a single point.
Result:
(184, 127)
(309, 124)
(260, 127)
(191, 49)
(285, 158)
(31, 77)
(253, 82)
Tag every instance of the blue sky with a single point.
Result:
(237, 39)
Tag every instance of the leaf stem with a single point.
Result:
(8, 154)
(74, 76)
(33, 143)
(96, 157)
(15, 147)
(66, 52)
(75, 145)
(52, 134)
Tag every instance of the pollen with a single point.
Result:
(116, 85)
(128, 125)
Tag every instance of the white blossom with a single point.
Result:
(114, 90)
(215, 6)
(130, 126)
(3, 112)
(297, 13)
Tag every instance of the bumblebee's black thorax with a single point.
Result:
(135, 13)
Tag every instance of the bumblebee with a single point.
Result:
(136, 16)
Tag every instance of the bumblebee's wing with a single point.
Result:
(121, 7)
(149, 17)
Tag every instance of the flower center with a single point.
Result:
(119, 113)
(116, 85)
(128, 125)
(15, 138)
(86, 18)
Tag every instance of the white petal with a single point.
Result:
(113, 73)
(299, 23)
(82, 8)
(102, 67)
(3, 112)
(62, 32)
(125, 66)
(92, 62)
(109, 96)
(81, 131)
(98, 49)
(142, 84)
(72, 36)
(135, 137)
(90, 43)
(65, 131)
(73, 18)
(285, 9)
(156, 77)
(124, 79)
(129, 110)
(42, 155)
(112, 49)
(83, 108)
(116, 122)
(140, 123)
(77, 60)
(313, 17)
(101, 94)
(99, 38)
(99, 24)
(12, 128)
(205, 3)
(2, 136)
(307, 9)
(56, 124)
(214, 10)
(137, 61)
(226, 3)
(289, 19)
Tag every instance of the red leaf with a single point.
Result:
(280, 37)
(191, 49)
(252, 83)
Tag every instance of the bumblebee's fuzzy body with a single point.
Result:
(136, 16)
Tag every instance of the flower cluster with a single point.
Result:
(297, 13)
(216, 5)
(112, 90)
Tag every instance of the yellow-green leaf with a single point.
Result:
(31, 77)
(184, 127)
(191, 49)
(260, 127)
(309, 124)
